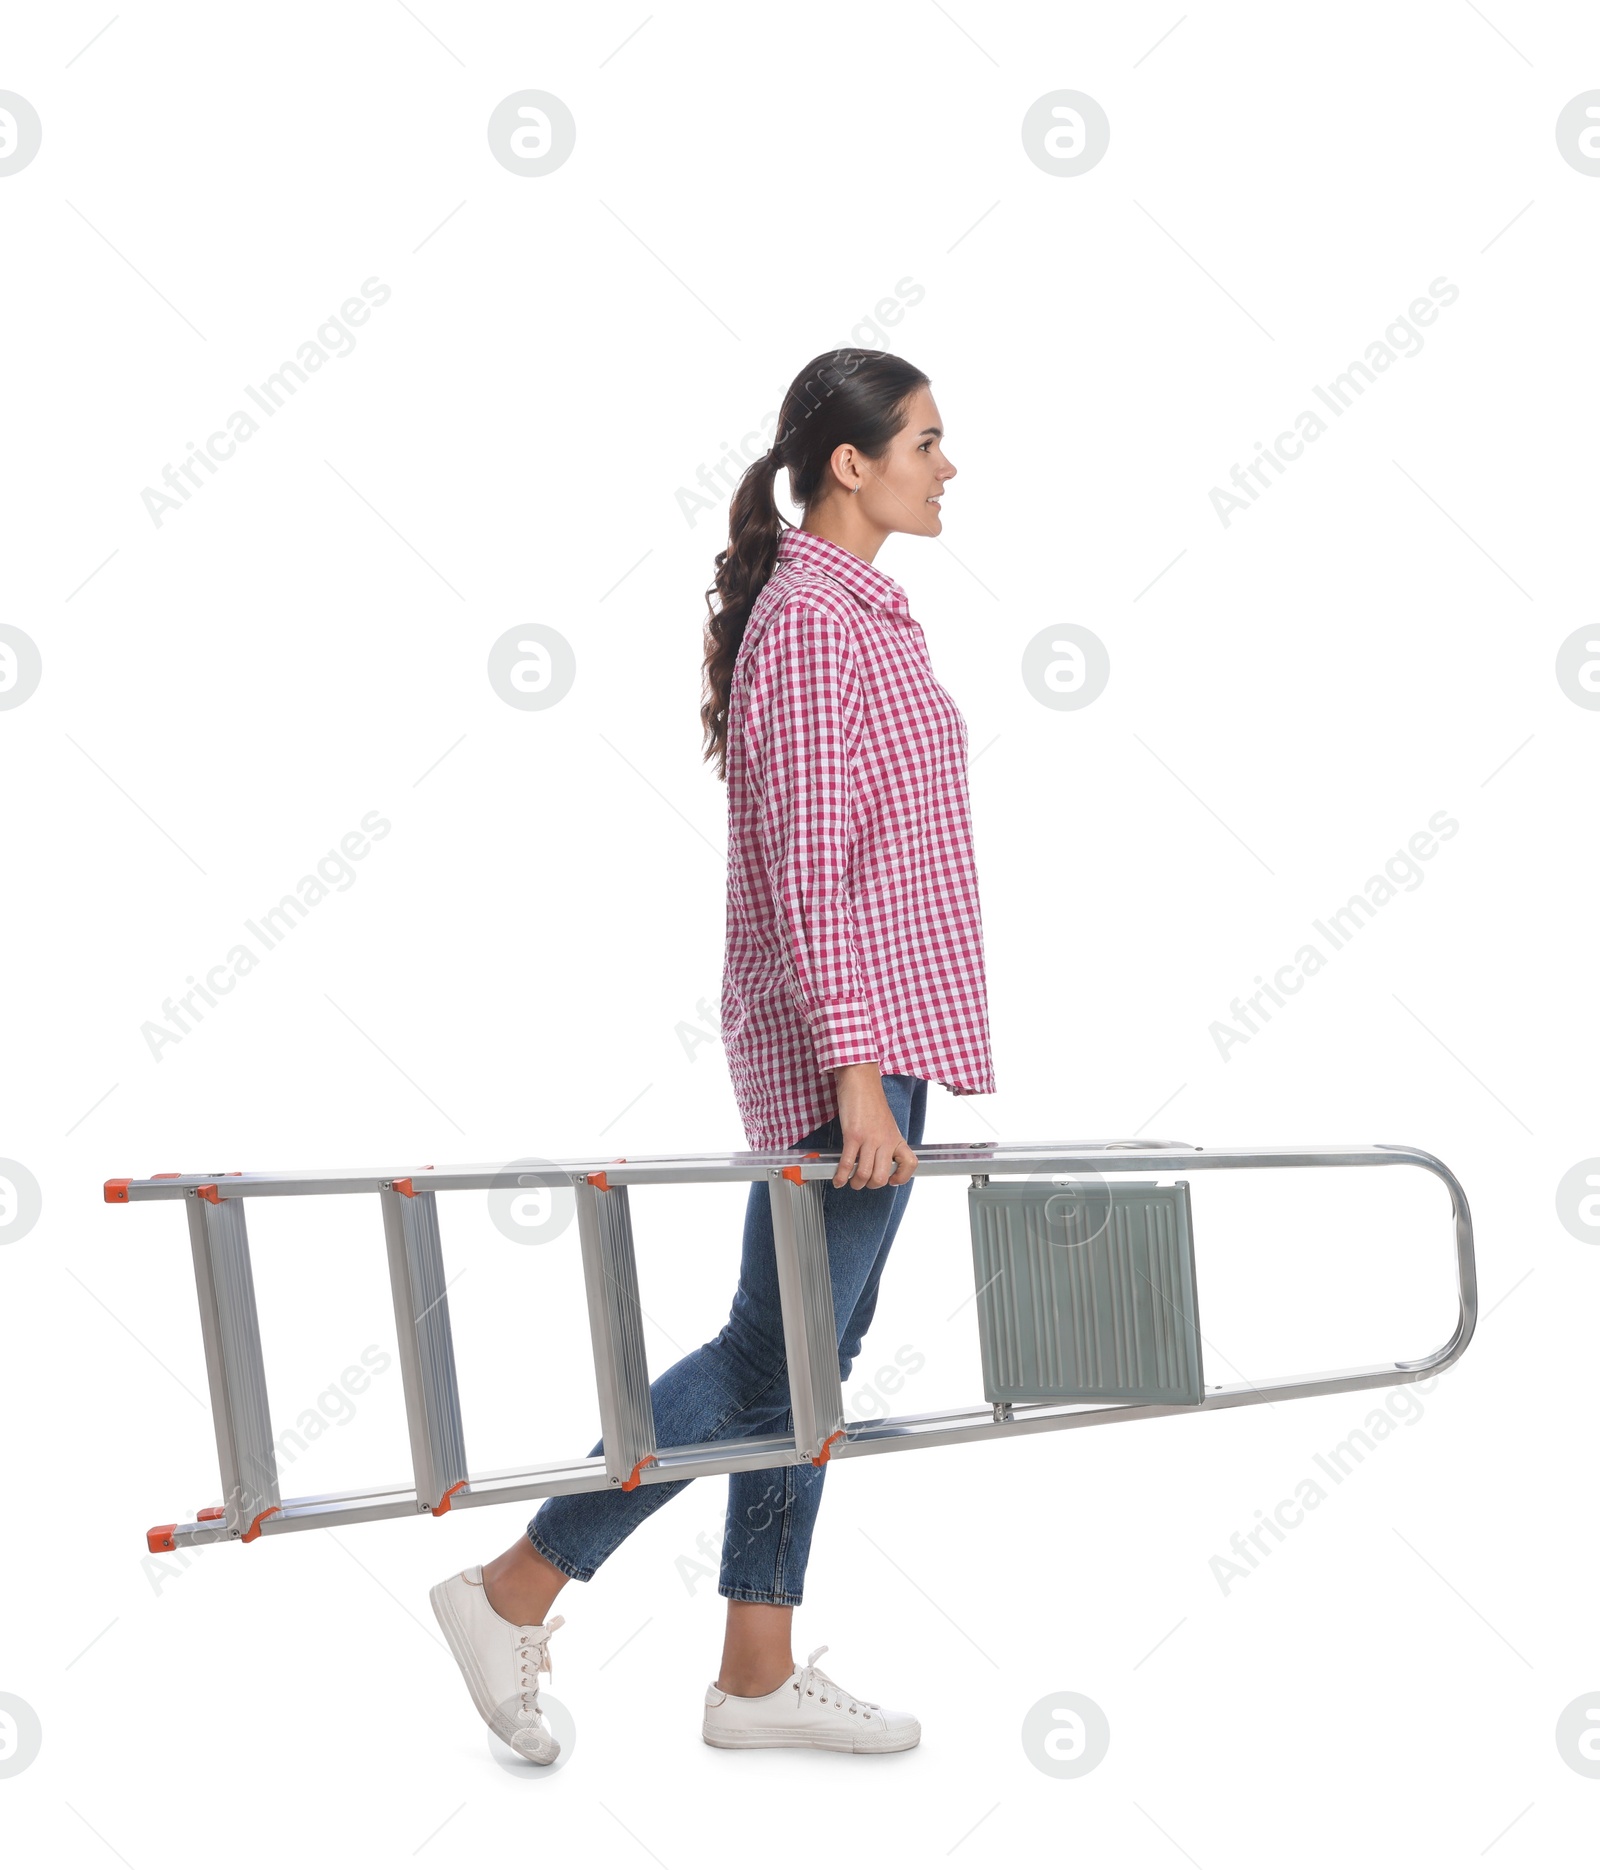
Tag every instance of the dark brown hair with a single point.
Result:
(842, 396)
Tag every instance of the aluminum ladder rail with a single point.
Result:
(441, 1481)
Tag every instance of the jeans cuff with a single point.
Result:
(746, 1594)
(583, 1573)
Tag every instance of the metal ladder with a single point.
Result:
(441, 1481)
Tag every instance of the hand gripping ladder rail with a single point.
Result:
(1085, 1295)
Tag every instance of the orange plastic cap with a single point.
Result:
(255, 1524)
(633, 1479)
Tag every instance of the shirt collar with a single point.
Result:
(874, 588)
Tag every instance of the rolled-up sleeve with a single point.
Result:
(803, 729)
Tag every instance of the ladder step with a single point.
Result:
(616, 1324)
(232, 1334)
(1086, 1291)
(805, 1292)
(427, 1350)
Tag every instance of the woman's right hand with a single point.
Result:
(874, 1153)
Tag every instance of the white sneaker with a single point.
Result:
(808, 1710)
(501, 1662)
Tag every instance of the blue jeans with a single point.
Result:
(738, 1385)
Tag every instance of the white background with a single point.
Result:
(519, 967)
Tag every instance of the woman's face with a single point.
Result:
(901, 492)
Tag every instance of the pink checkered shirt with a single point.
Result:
(854, 934)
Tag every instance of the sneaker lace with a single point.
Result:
(533, 1654)
(814, 1681)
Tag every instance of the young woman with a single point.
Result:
(853, 976)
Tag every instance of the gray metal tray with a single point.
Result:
(1086, 1291)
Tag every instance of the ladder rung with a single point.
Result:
(805, 1291)
(232, 1334)
(616, 1324)
(427, 1351)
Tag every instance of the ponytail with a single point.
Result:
(754, 524)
